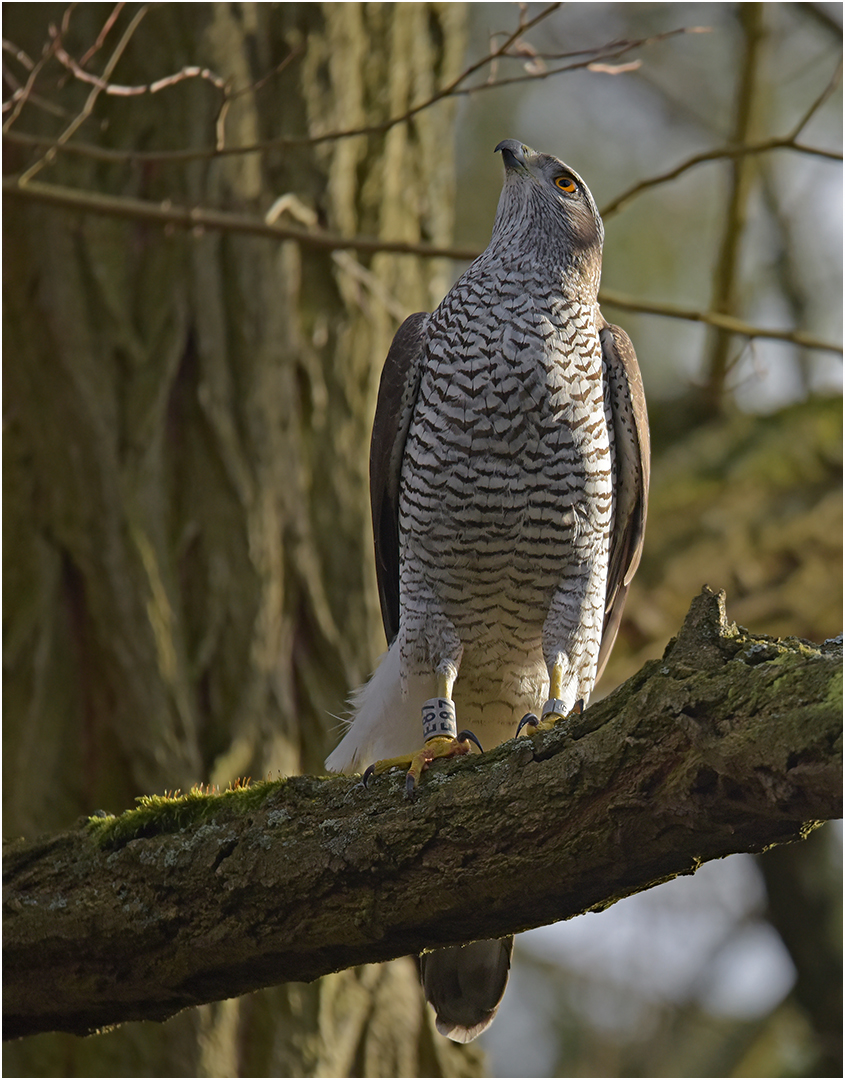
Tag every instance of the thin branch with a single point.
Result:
(259, 84)
(763, 146)
(105, 29)
(22, 58)
(728, 743)
(21, 96)
(116, 90)
(77, 69)
(737, 150)
(137, 157)
(626, 43)
(62, 143)
(728, 323)
(27, 94)
(833, 82)
(101, 82)
(491, 57)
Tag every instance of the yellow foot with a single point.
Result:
(440, 746)
(550, 718)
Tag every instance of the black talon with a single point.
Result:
(368, 772)
(410, 786)
(578, 707)
(529, 718)
(464, 735)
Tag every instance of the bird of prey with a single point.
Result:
(509, 475)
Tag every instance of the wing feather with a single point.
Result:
(626, 404)
(397, 395)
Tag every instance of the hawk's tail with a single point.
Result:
(465, 984)
(386, 722)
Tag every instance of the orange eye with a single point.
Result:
(565, 183)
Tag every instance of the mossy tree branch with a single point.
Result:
(729, 743)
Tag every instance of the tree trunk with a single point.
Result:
(185, 505)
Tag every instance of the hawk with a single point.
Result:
(509, 473)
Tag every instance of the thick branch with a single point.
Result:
(200, 218)
(728, 743)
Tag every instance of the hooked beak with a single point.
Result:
(513, 153)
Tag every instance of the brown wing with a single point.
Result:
(397, 395)
(626, 401)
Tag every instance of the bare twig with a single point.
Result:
(451, 89)
(62, 143)
(20, 97)
(594, 60)
(259, 84)
(722, 322)
(103, 34)
(615, 69)
(92, 97)
(737, 150)
(187, 72)
(626, 43)
(785, 142)
(77, 69)
(22, 58)
(763, 146)
(833, 82)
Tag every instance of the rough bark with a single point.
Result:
(729, 743)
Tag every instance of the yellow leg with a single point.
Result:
(556, 681)
(445, 682)
(553, 710)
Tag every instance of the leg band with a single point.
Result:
(555, 705)
(438, 717)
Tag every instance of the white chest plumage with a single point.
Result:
(506, 498)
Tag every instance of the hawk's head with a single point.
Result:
(546, 208)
